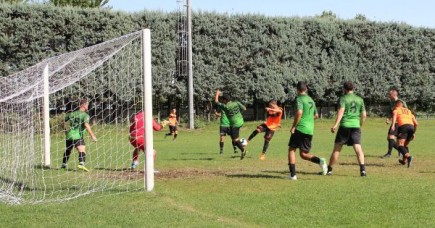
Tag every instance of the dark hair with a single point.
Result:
(272, 102)
(301, 86)
(348, 86)
(83, 101)
(226, 97)
(398, 102)
(394, 89)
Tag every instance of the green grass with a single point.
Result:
(197, 187)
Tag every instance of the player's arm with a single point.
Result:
(393, 124)
(89, 130)
(216, 97)
(414, 120)
(274, 109)
(340, 114)
(363, 117)
(241, 106)
(296, 119)
(157, 126)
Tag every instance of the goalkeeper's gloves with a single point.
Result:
(164, 123)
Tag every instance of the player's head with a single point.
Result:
(173, 110)
(348, 86)
(399, 103)
(301, 87)
(272, 104)
(83, 104)
(393, 93)
(226, 98)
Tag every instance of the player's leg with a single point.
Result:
(222, 134)
(341, 138)
(305, 154)
(81, 148)
(356, 143)
(267, 137)
(235, 133)
(135, 161)
(175, 132)
(255, 132)
(68, 149)
(391, 138)
(293, 144)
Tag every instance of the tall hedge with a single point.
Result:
(256, 58)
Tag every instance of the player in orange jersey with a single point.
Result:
(173, 124)
(407, 126)
(273, 122)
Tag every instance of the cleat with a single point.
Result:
(402, 162)
(387, 155)
(221, 152)
(262, 156)
(323, 166)
(133, 166)
(409, 160)
(329, 173)
(235, 151)
(63, 166)
(243, 154)
(363, 173)
(82, 167)
(156, 171)
(293, 178)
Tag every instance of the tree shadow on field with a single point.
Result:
(356, 164)
(254, 176)
(190, 159)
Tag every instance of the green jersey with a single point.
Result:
(233, 111)
(77, 120)
(306, 104)
(225, 122)
(353, 107)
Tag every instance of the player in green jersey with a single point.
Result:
(78, 123)
(393, 95)
(302, 131)
(350, 117)
(233, 110)
(224, 130)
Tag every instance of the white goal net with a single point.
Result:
(110, 76)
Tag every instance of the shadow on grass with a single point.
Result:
(354, 163)
(118, 169)
(192, 153)
(297, 172)
(253, 176)
(191, 159)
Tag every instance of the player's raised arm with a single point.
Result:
(216, 97)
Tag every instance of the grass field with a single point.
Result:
(197, 187)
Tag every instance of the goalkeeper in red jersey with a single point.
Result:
(137, 135)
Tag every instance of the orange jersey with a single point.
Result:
(404, 116)
(172, 119)
(273, 120)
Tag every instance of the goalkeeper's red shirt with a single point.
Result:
(137, 126)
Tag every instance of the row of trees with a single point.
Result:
(61, 3)
(256, 58)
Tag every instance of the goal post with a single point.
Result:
(40, 161)
(148, 108)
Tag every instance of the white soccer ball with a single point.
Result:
(244, 141)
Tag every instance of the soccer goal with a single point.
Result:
(35, 109)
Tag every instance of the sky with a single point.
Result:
(419, 13)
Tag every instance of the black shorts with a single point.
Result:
(235, 132)
(348, 136)
(74, 143)
(301, 141)
(406, 132)
(268, 133)
(223, 131)
(172, 129)
(395, 132)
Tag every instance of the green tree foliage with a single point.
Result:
(253, 57)
(80, 3)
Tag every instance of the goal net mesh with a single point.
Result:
(109, 76)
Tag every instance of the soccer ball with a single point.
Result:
(244, 141)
